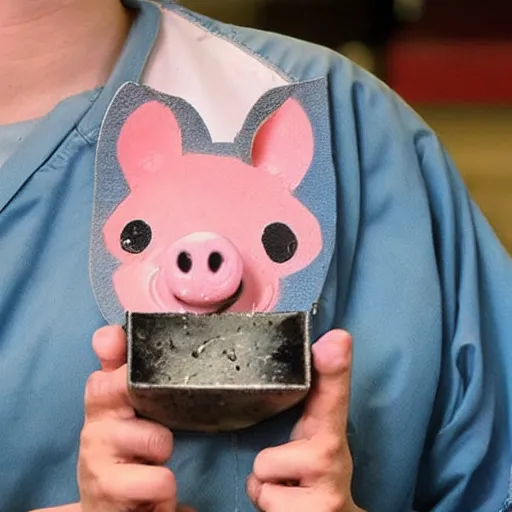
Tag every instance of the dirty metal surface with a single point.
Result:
(217, 372)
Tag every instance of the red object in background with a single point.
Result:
(455, 55)
(451, 71)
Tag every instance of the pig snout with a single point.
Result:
(202, 269)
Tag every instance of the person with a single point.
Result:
(403, 261)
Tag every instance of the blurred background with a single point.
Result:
(450, 59)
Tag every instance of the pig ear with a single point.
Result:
(284, 144)
(149, 140)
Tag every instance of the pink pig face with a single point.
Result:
(205, 233)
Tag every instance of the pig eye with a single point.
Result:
(135, 237)
(280, 242)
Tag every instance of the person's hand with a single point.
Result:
(75, 507)
(313, 472)
(120, 467)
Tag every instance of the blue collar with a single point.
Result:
(130, 65)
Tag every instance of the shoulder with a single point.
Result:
(196, 57)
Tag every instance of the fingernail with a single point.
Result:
(333, 350)
(101, 334)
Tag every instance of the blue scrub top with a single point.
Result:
(418, 277)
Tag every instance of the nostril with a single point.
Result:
(184, 262)
(215, 261)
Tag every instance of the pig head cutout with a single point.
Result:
(205, 232)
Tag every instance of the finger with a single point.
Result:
(278, 498)
(328, 401)
(293, 461)
(127, 441)
(253, 488)
(165, 508)
(106, 395)
(133, 484)
(139, 440)
(75, 507)
(109, 344)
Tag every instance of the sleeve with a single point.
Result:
(467, 451)
(428, 299)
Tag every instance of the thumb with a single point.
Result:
(76, 507)
(328, 401)
(168, 507)
(109, 344)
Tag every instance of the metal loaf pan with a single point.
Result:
(217, 372)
